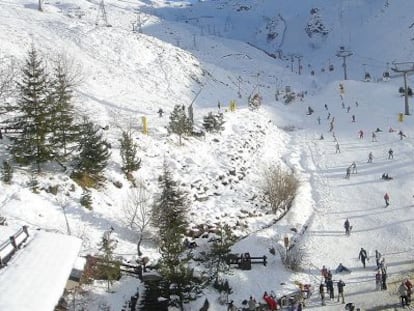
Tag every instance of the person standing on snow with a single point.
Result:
(347, 227)
(348, 172)
(370, 157)
(403, 291)
(378, 280)
(361, 134)
(337, 149)
(354, 168)
(386, 199)
(330, 288)
(363, 256)
(322, 293)
(378, 258)
(341, 285)
(390, 154)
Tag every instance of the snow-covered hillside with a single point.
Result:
(209, 52)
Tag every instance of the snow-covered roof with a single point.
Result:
(36, 276)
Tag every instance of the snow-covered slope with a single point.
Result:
(207, 52)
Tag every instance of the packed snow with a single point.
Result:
(206, 52)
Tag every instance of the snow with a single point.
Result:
(35, 277)
(184, 49)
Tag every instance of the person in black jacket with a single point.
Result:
(363, 256)
(341, 285)
(347, 227)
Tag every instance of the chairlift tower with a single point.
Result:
(102, 16)
(344, 54)
(405, 69)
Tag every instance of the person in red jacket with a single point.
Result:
(271, 302)
(409, 286)
(386, 199)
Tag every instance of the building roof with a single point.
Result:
(35, 277)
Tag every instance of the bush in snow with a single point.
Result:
(279, 188)
(213, 122)
(292, 257)
(86, 199)
(6, 172)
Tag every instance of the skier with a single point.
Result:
(374, 136)
(326, 107)
(347, 227)
(401, 134)
(160, 112)
(370, 157)
(354, 168)
(341, 285)
(348, 172)
(337, 149)
(363, 256)
(378, 280)
(383, 280)
(330, 288)
(361, 134)
(378, 258)
(390, 154)
(319, 120)
(348, 109)
(386, 199)
(353, 118)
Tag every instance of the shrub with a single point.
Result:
(292, 257)
(86, 199)
(279, 188)
(7, 172)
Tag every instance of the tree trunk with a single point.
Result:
(40, 6)
(139, 245)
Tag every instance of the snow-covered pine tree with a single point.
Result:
(30, 145)
(180, 123)
(86, 199)
(128, 149)
(169, 216)
(93, 151)
(213, 122)
(220, 249)
(64, 130)
(109, 269)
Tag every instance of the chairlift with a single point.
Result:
(386, 76)
(331, 67)
(367, 77)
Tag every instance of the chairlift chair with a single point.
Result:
(367, 77)
(386, 76)
(331, 67)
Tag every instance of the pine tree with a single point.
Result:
(33, 115)
(63, 129)
(86, 199)
(180, 123)
(130, 161)
(219, 251)
(109, 268)
(169, 216)
(94, 152)
(213, 122)
(7, 172)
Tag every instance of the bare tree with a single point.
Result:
(279, 188)
(137, 212)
